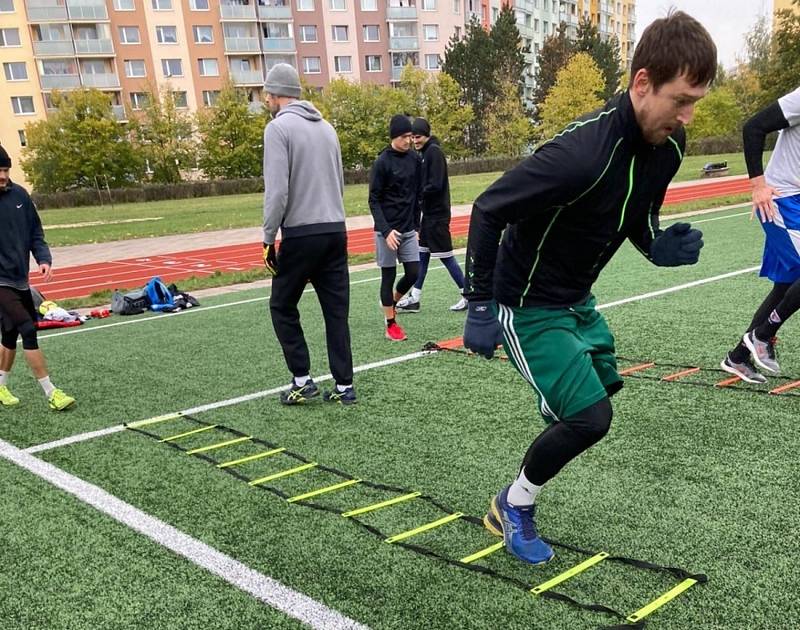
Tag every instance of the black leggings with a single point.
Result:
(18, 318)
(388, 274)
(563, 441)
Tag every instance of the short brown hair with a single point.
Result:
(674, 45)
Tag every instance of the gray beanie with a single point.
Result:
(283, 80)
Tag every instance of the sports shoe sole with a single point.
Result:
(735, 372)
(67, 406)
(9, 404)
(751, 347)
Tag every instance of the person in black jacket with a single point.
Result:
(562, 213)
(21, 236)
(394, 193)
(434, 233)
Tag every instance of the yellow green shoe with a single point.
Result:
(59, 400)
(7, 399)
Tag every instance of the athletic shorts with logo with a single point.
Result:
(407, 250)
(566, 354)
(434, 237)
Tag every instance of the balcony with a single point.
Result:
(246, 77)
(54, 48)
(277, 44)
(241, 44)
(569, 19)
(119, 112)
(403, 43)
(87, 10)
(105, 80)
(397, 72)
(46, 11)
(631, 16)
(274, 13)
(59, 81)
(401, 13)
(605, 7)
(94, 47)
(237, 11)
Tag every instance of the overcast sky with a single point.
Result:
(728, 21)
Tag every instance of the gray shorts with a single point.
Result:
(407, 251)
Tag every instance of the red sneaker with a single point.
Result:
(395, 333)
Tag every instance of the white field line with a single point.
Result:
(65, 226)
(266, 589)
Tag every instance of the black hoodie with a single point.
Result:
(20, 236)
(394, 191)
(435, 183)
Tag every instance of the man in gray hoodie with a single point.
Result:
(303, 188)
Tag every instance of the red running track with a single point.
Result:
(83, 280)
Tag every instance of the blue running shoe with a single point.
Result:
(519, 530)
(298, 394)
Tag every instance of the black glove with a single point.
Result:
(270, 259)
(482, 330)
(679, 244)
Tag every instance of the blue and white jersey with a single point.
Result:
(783, 170)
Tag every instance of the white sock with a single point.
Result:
(3, 377)
(301, 380)
(522, 492)
(47, 386)
(342, 388)
(416, 294)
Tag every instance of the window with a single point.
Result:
(6, 6)
(545, 26)
(372, 33)
(210, 97)
(308, 33)
(279, 30)
(203, 34)
(339, 33)
(162, 5)
(180, 100)
(311, 65)
(457, 32)
(124, 5)
(429, 5)
(198, 5)
(94, 66)
(208, 67)
(129, 34)
(22, 105)
(138, 100)
(135, 68)
(342, 64)
(431, 32)
(431, 62)
(23, 141)
(536, 26)
(369, 5)
(456, 6)
(166, 35)
(373, 63)
(172, 67)
(338, 5)
(305, 5)
(15, 71)
(9, 37)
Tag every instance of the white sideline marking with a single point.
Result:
(64, 226)
(80, 437)
(266, 589)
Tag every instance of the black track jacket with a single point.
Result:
(394, 191)
(567, 208)
(21, 235)
(435, 183)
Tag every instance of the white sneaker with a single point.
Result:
(461, 305)
(405, 301)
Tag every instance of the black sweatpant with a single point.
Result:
(320, 259)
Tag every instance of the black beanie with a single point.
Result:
(399, 125)
(420, 127)
(5, 161)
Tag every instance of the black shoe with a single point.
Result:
(298, 394)
(744, 370)
(347, 397)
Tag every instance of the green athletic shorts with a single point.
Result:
(566, 354)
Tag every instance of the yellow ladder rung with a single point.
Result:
(212, 447)
(658, 603)
(153, 420)
(192, 432)
(283, 473)
(424, 528)
(250, 458)
(314, 493)
(483, 553)
(563, 577)
(382, 504)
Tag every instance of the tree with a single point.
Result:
(508, 130)
(162, 133)
(716, 115)
(604, 52)
(577, 91)
(77, 143)
(758, 46)
(232, 136)
(746, 90)
(509, 53)
(436, 97)
(784, 66)
(553, 56)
